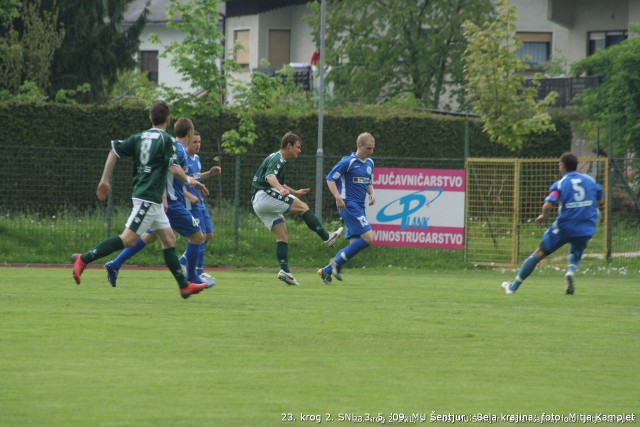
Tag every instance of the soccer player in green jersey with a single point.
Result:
(154, 158)
(273, 198)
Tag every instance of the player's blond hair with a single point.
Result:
(365, 137)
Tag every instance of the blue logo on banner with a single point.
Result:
(407, 205)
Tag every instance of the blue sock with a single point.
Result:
(200, 262)
(350, 251)
(573, 264)
(128, 253)
(526, 269)
(192, 258)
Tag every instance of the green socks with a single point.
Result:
(104, 248)
(172, 263)
(312, 222)
(282, 252)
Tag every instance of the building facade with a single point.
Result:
(563, 31)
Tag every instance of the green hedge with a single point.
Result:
(46, 138)
(424, 135)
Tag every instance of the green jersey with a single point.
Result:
(152, 151)
(274, 164)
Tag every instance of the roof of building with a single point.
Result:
(253, 7)
(157, 11)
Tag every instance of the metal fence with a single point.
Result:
(567, 88)
(503, 198)
(46, 194)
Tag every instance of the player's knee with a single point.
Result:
(128, 241)
(299, 207)
(538, 253)
(196, 238)
(368, 237)
(149, 238)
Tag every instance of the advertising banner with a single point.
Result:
(421, 208)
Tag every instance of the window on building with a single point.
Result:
(536, 48)
(149, 64)
(279, 48)
(599, 40)
(242, 53)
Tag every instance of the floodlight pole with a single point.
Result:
(320, 152)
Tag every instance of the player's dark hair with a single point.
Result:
(289, 138)
(182, 126)
(570, 161)
(159, 113)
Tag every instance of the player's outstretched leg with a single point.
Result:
(526, 269)
(333, 237)
(345, 254)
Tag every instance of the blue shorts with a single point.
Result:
(203, 217)
(182, 221)
(355, 220)
(552, 240)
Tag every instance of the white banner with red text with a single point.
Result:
(422, 208)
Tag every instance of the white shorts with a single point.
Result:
(271, 207)
(147, 215)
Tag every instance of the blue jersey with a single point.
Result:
(194, 168)
(352, 177)
(175, 186)
(577, 196)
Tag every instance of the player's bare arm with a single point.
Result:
(372, 195)
(299, 192)
(274, 183)
(336, 194)
(104, 188)
(189, 180)
(190, 196)
(215, 170)
(546, 207)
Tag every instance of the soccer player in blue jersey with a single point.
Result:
(195, 202)
(154, 156)
(273, 198)
(179, 217)
(351, 183)
(578, 197)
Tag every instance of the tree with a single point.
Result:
(95, 47)
(379, 50)
(27, 51)
(199, 57)
(495, 79)
(617, 98)
(134, 88)
(9, 10)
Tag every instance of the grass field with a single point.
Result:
(254, 352)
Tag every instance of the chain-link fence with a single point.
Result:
(48, 205)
